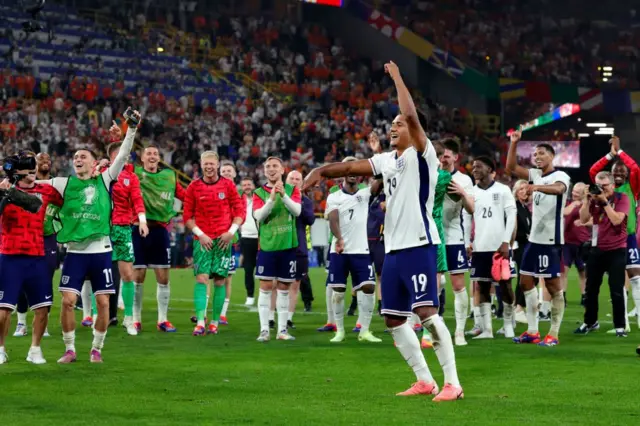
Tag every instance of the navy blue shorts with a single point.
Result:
(302, 265)
(542, 261)
(154, 251)
(51, 253)
(276, 265)
(376, 252)
(572, 255)
(95, 267)
(457, 261)
(633, 259)
(409, 280)
(25, 274)
(481, 263)
(359, 266)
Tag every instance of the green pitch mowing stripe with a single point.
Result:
(230, 379)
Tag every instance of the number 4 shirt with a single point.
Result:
(353, 210)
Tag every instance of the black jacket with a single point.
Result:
(524, 224)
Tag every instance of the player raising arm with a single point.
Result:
(213, 211)
(409, 274)
(86, 221)
(543, 255)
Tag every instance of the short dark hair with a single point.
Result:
(547, 147)
(249, 179)
(439, 148)
(487, 161)
(227, 163)
(273, 157)
(451, 145)
(93, 153)
(150, 146)
(618, 162)
(112, 147)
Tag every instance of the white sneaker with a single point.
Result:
(46, 332)
(21, 330)
(509, 333)
(627, 329)
(368, 336)
(4, 358)
(475, 331)
(458, 339)
(264, 336)
(35, 356)
(284, 335)
(338, 338)
(484, 335)
(632, 313)
(128, 325)
(249, 302)
(521, 317)
(501, 331)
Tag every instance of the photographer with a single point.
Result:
(608, 210)
(23, 265)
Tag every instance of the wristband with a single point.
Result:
(142, 218)
(609, 157)
(233, 229)
(197, 231)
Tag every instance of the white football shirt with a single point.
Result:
(353, 210)
(547, 221)
(492, 207)
(454, 226)
(409, 186)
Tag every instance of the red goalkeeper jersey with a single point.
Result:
(23, 232)
(127, 197)
(213, 205)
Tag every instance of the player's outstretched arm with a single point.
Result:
(408, 109)
(512, 167)
(336, 170)
(556, 188)
(125, 150)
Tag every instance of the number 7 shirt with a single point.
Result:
(353, 211)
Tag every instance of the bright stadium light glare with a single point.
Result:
(607, 68)
(583, 135)
(605, 79)
(596, 124)
(604, 131)
(160, 49)
(607, 74)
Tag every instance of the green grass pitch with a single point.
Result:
(230, 379)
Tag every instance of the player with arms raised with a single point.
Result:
(275, 207)
(495, 220)
(85, 216)
(23, 265)
(542, 257)
(349, 254)
(409, 275)
(213, 211)
(160, 188)
(455, 217)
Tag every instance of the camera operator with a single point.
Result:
(23, 265)
(608, 210)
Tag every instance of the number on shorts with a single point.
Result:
(292, 266)
(391, 185)
(169, 255)
(419, 279)
(460, 257)
(370, 272)
(108, 275)
(130, 245)
(350, 214)
(225, 263)
(543, 261)
(633, 254)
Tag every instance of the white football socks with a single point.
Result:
(507, 315)
(137, 302)
(557, 312)
(531, 300)
(545, 307)
(225, 306)
(22, 318)
(338, 310)
(98, 340)
(282, 304)
(359, 295)
(635, 293)
(85, 294)
(366, 303)
(264, 306)
(409, 346)
(69, 339)
(272, 313)
(461, 308)
(329, 298)
(163, 295)
(485, 318)
(443, 346)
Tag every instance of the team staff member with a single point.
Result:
(249, 240)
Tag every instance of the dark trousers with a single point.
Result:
(113, 298)
(519, 294)
(249, 248)
(306, 291)
(613, 262)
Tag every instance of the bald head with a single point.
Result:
(295, 178)
(43, 165)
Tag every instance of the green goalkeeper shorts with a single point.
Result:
(213, 262)
(442, 258)
(122, 244)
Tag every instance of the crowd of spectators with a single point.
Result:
(562, 42)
